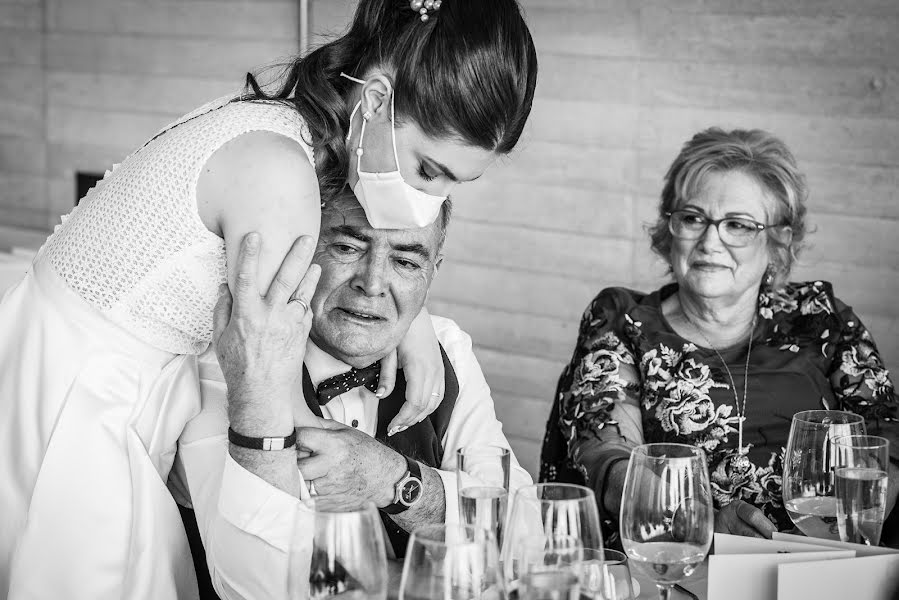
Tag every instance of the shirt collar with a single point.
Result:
(322, 365)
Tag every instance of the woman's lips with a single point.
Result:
(707, 266)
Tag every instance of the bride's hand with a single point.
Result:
(422, 362)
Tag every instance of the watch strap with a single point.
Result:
(413, 470)
(262, 443)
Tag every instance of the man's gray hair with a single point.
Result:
(347, 202)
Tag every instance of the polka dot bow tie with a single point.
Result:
(340, 384)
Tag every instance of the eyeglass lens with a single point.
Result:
(733, 231)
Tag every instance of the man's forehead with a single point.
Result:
(353, 220)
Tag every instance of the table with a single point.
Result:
(698, 583)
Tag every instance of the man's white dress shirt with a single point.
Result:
(253, 531)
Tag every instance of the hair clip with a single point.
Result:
(423, 6)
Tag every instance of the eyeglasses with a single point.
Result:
(736, 231)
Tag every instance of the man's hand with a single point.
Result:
(260, 341)
(742, 518)
(348, 467)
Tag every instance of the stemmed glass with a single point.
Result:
(482, 473)
(451, 562)
(808, 473)
(860, 483)
(606, 575)
(346, 557)
(550, 568)
(548, 518)
(667, 517)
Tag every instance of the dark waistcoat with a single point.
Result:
(422, 442)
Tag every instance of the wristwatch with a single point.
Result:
(407, 490)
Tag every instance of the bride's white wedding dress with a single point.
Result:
(98, 372)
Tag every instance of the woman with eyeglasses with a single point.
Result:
(724, 355)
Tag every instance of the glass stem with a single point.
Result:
(664, 591)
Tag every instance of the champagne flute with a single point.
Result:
(860, 484)
(547, 517)
(451, 562)
(808, 473)
(345, 557)
(606, 575)
(482, 473)
(667, 517)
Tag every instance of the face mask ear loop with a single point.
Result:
(393, 134)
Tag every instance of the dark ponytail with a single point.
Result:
(468, 72)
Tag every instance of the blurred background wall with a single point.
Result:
(622, 85)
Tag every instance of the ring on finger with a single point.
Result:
(436, 394)
(300, 301)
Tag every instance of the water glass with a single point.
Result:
(482, 473)
(667, 519)
(550, 568)
(808, 475)
(548, 517)
(451, 562)
(860, 485)
(605, 575)
(348, 558)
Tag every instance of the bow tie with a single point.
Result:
(340, 384)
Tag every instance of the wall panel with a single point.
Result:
(622, 85)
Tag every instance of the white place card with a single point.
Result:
(865, 578)
(754, 576)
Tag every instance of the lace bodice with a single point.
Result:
(136, 248)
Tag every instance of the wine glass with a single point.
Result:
(860, 484)
(808, 472)
(482, 473)
(345, 559)
(547, 517)
(550, 568)
(606, 575)
(667, 518)
(451, 562)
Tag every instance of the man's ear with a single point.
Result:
(376, 95)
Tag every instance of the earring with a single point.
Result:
(366, 115)
(769, 275)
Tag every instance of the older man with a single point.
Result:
(373, 283)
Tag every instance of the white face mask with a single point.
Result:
(388, 201)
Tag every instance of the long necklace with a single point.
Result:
(741, 460)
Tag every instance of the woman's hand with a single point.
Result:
(742, 518)
(419, 356)
(260, 340)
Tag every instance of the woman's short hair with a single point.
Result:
(756, 153)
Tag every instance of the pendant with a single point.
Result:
(740, 461)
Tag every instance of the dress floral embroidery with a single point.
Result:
(809, 351)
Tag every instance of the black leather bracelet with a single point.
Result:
(263, 443)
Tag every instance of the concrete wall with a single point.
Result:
(623, 84)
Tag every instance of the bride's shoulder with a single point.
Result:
(258, 172)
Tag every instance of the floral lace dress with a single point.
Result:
(633, 380)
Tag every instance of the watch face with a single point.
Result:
(410, 492)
